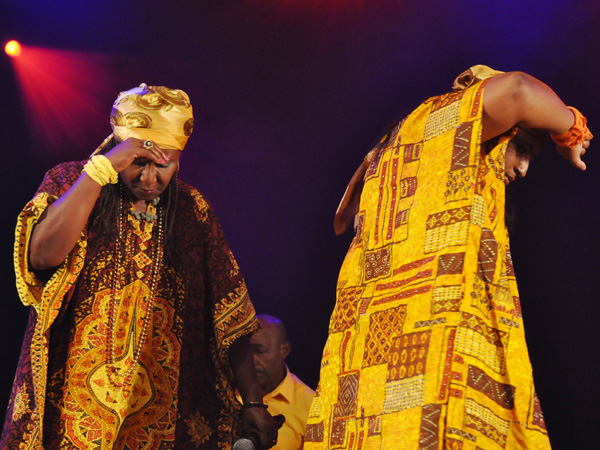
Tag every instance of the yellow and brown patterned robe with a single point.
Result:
(181, 395)
(426, 347)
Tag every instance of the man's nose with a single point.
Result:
(149, 173)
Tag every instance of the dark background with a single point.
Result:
(289, 95)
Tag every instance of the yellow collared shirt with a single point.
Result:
(292, 398)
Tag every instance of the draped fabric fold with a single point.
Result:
(426, 347)
(183, 387)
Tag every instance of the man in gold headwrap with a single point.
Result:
(426, 347)
(139, 325)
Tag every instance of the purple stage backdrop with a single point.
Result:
(289, 95)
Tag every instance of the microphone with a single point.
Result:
(249, 443)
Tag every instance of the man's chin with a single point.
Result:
(262, 379)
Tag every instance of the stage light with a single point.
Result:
(12, 49)
(65, 95)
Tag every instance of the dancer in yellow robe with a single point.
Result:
(426, 347)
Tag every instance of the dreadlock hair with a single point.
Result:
(105, 215)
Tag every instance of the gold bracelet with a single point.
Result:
(100, 169)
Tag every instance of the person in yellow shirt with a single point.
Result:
(285, 393)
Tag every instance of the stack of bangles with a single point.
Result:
(254, 405)
(100, 169)
(577, 135)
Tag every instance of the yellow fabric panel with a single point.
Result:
(426, 348)
(45, 298)
(32, 291)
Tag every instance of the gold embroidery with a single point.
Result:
(21, 403)
(198, 428)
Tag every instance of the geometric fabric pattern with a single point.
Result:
(501, 393)
(314, 432)
(460, 149)
(478, 210)
(458, 185)
(447, 299)
(404, 394)
(486, 422)
(448, 228)
(430, 425)
(408, 356)
(488, 255)
(348, 385)
(451, 264)
(442, 120)
(385, 325)
(377, 263)
(471, 342)
(344, 315)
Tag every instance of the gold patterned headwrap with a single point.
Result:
(156, 113)
(472, 75)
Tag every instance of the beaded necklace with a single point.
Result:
(113, 371)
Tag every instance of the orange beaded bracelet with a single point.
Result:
(578, 133)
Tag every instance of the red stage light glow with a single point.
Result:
(12, 48)
(67, 97)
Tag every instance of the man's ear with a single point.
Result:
(286, 348)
